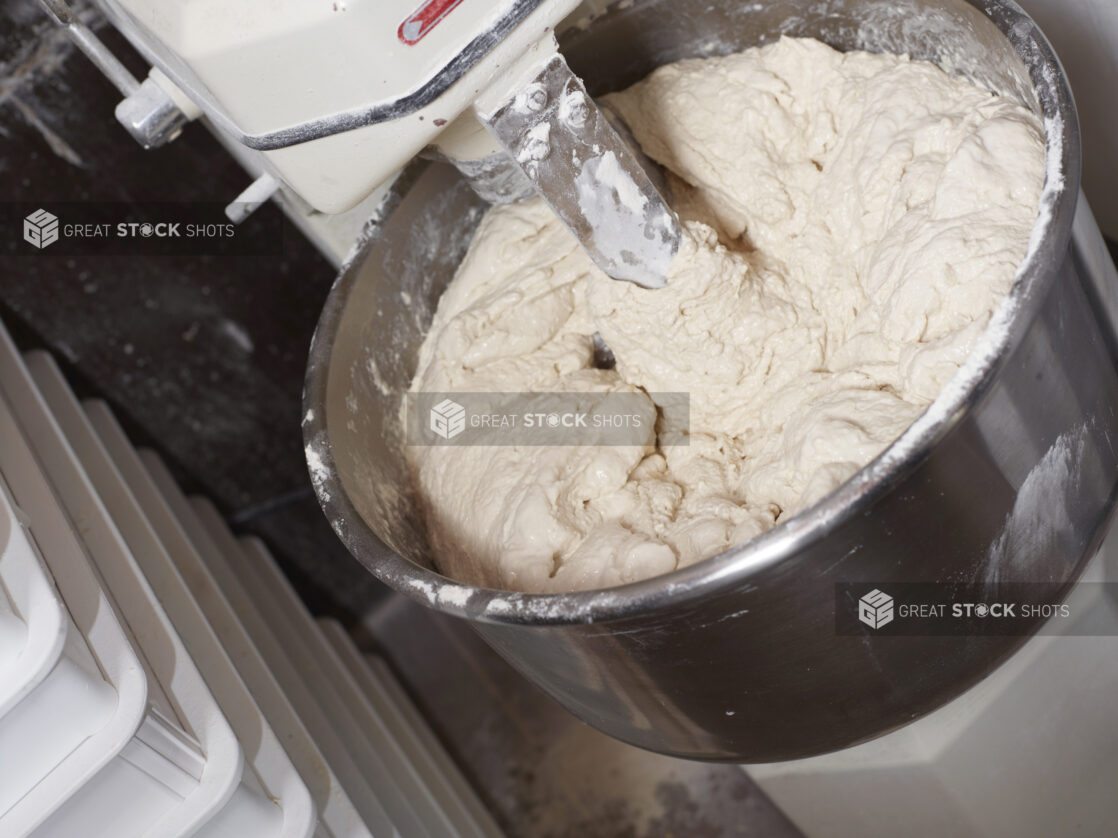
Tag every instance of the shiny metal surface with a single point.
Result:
(736, 658)
(589, 176)
(150, 116)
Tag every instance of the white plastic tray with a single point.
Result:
(403, 794)
(35, 620)
(375, 685)
(445, 766)
(40, 732)
(136, 791)
(185, 762)
(276, 800)
(420, 792)
(13, 631)
(348, 805)
(434, 789)
(301, 644)
(89, 707)
(271, 799)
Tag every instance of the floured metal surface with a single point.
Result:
(558, 136)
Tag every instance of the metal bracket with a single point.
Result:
(147, 111)
(589, 176)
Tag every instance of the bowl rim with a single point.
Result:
(1048, 245)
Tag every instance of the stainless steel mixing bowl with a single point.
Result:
(1010, 475)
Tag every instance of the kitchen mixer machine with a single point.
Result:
(331, 99)
(656, 663)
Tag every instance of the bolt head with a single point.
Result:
(535, 98)
(537, 148)
(575, 110)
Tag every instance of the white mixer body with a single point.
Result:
(337, 95)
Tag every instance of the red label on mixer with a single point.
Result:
(424, 19)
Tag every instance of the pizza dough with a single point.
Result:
(852, 221)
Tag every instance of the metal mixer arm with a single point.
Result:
(592, 179)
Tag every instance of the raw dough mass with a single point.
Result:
(852, 222)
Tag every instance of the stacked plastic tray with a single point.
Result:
(159, 677)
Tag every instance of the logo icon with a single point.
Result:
(40, 229)
(875, 609)
(448, 419)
